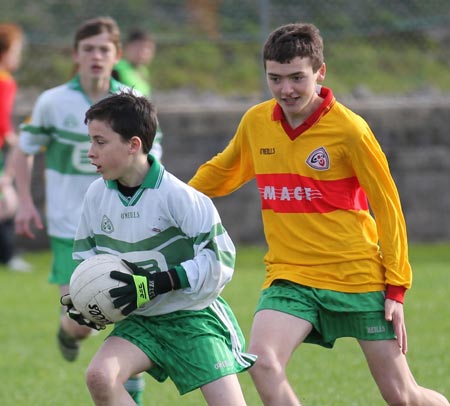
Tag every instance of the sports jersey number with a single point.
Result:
(155, 262)
(80, 160)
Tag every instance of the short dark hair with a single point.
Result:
(292, 40)
(137, 34)
(128, 115)
(96, 26)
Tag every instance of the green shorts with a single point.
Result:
(63, 265)
(192, 347)
(332, 314)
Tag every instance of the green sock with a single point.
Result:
(135, 387)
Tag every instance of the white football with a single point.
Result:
(90, 285)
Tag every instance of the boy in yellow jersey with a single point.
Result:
(332, 269)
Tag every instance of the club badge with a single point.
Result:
(107, 225)
(318, 159)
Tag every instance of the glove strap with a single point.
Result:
(142, 289)
(148, 287)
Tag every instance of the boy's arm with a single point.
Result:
(228, 170)
(212, 266)
(373, 173)
(34, 135)
(27, 213)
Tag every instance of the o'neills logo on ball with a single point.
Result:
(97, 313)
(318, 159)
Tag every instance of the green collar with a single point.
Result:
(151, 181)
(114, 85)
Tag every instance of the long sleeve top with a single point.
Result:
(316, 183)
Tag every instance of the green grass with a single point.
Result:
(32, 371)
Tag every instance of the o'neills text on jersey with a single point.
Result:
(130, 215)
(267, 151)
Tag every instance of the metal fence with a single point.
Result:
(371, 46)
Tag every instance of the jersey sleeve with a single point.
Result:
(228, 170)
(212, 265)
(374, 175)
(36, 131)
(84, 245)
(157, 149)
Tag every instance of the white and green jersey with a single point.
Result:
(57, 127)
(165, 224)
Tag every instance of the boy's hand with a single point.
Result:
(74, 314)
(394, 312)
(141, 287)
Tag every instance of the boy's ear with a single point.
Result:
(119, 55)
(135, 144)
(321, 73)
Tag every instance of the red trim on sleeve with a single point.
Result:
(396, 293)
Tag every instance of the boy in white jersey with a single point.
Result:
(333, 270)
(57, 125)
(172, 238)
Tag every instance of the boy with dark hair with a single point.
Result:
(332, 269)
(172, 239)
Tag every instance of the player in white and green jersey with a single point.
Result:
(57, 127)
(57, 124)
(163, 224)
(181, 257)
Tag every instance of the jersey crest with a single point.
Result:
(318, 159)
(70, 121)
(107, 225)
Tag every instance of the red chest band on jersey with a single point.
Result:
(291, 193)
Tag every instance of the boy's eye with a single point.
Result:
(97, 141)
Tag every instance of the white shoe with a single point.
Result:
(18, 264)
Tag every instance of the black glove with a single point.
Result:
(141, 287)
(74, 314)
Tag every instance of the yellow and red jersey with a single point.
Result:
(315, 184)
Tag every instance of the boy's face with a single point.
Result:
(96, 57)
(140, 52)
(12, 57)
(109, 152)
(293, 85)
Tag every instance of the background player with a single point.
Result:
(11, 44)
(133, 69)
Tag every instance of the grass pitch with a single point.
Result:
(32, 372)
